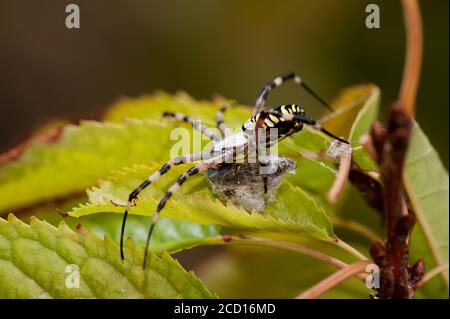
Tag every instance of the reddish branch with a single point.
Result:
(392, 258)
(388, 146)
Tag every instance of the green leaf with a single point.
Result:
(293, 212)
(152, 107)
(33, 261)
(366, 116)
(426, 182)
(83, 154)
(354, 108)
(363, 159)
(88, 152)
(170, 235)
(362, 123)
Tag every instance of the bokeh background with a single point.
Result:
(206, 47)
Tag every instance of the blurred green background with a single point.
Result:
(205, 47)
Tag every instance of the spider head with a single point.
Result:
(287, 119)
(281, 115)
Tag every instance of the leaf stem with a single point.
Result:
(413, 58)
(248, 240)
(341, 179)
(333, 280)
(350, 249)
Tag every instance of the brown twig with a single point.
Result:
(333, 280)
(390, 144)
(370, 188)
(393, 258)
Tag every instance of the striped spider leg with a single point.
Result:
(151, 179)
(196, 124)
(221, 125)
(278, 81)
(199, 168)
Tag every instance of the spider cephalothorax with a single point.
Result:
(276, 119)
(285, 120)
